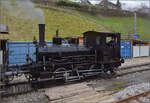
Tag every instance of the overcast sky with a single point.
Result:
(133, 3)
(127, 3)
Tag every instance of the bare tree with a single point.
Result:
(85, 1)
(118, 4)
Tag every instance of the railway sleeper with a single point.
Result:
(11, 90)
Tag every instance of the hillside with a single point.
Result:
(72, 23)
(125, 25)
(68, 24)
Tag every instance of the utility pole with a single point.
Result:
(134, 22)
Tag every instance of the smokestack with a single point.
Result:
(57, 33)
(41, 34)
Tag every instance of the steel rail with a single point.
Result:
(129, 67)
(134, 97)
(131, 72)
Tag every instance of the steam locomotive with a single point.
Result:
(67, 60)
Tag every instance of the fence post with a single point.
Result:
(0, 80)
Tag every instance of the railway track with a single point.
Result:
(136, 97)
(132, 70)
(13, 89)
(18, 88)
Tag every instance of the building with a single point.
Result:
(109, 5)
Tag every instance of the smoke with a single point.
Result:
(24, 9)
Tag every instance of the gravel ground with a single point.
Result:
(133, 90)
(121, 82)
(34, 97)
(135, 61)
(129, 84)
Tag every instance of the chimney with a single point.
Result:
(41, 34)
(57, 31)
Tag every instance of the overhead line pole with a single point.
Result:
(135, 22)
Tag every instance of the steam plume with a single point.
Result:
(24, 9)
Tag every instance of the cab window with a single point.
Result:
(111, 40)
(97, 40)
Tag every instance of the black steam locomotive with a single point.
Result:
(66, 60)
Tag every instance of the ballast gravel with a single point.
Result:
(133, 90)
(34, 97)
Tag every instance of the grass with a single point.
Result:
(19, 29)
(72, 23)
(125, 25)
(118, 85)
(68, 25)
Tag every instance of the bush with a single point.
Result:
(68, 3)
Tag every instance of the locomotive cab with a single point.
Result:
(106, 45)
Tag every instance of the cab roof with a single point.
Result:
(89, 33)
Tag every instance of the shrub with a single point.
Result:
(68, 3)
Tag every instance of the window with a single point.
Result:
(85, 40)
(108, 39)
(97, 40)
(111, 40)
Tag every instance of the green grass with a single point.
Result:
(68, 24)
(72, 23)
(19, 29)
(124, 25)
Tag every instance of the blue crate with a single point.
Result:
(18, 51)
(126, 49)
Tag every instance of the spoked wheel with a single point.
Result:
(78, 72)
(59, 75)
(92, 71)
(93, 67)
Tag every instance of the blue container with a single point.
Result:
(18, 51)
(126, 49)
